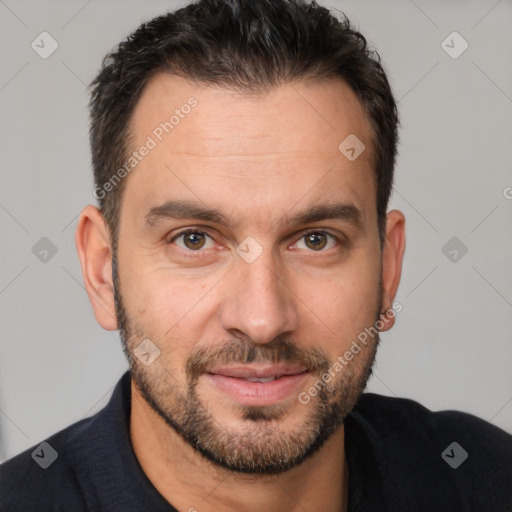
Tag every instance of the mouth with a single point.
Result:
(257, 385)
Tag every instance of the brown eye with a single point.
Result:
(191, 240)
(194, 240)
(316, 240)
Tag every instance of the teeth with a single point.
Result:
(261, 379)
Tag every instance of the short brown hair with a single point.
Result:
(247, 45)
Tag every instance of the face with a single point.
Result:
(249, 255)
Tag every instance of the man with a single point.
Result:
(243, 155)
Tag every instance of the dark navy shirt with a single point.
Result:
(401, 457)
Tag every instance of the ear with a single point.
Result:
(94, 251)
(392, 256)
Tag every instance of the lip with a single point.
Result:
(257, 371)
(231, 381)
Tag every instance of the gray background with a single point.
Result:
(451, 346)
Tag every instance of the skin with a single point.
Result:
(257, 160)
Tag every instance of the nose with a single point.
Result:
(259, 302)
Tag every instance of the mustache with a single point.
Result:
(277, 351)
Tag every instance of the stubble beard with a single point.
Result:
(260, 446)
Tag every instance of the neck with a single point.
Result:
(190, 482)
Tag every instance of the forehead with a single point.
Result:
(267, 148)
(323, 113)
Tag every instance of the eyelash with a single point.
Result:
(303, 234)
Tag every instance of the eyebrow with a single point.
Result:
(185, 209)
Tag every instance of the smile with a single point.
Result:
(253, 386)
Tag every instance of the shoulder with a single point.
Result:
(448, 455)
(42, 477)
(68, 470)
(412, 419)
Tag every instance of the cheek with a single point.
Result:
(342, 307)
(166, 309)
(157, 304)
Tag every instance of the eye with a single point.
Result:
(318, 240)
(192, 240)
(195, 240)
